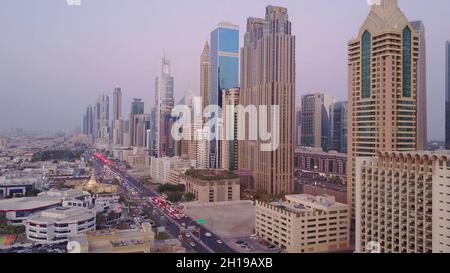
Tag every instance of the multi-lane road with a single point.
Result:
(202, 243)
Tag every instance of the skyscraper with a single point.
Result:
(422, 134)
(101, 117)
(298, 126)
(117, 103)
(224, 75)
(137, 108)
(383, 72)
(268, 78)
(117, 122)
(447, 95)
(205, 75)
(88, 121)
(230, 129)
(161, 142)
(339, 127)
(316, 117)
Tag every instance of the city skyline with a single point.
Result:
(135, 70)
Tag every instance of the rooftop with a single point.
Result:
(62, 213)
(211, 175)
(27, 203)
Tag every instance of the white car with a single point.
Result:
(188, 235)
(192, 244)
(219, 242)
(207, 234)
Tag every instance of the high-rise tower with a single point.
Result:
(205, 75)
(224, 75)
(383, 89)
(268, 78)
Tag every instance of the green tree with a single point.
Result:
(189, 197)
(174, 196)
(3, 221)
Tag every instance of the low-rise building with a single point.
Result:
(57, 224)
(212, 185)
(17, 210)
(304, 223)
(16, 186)
(161, 167)
(139, 240)
(317, 161)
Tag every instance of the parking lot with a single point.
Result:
(227, 219)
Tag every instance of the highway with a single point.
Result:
(203, 244)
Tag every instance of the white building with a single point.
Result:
(403, 202)
(161, 167)
(57, 224)
(304, 223)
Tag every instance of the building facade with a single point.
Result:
(316, 120)
(210, 186)
(137, 108)
(447, 95)
(224, 75)
(402, 202)
(383, 75)
(162, 144)
(205, 75)
(57, 224)
(315, 160)
(422, 127)
(304, 224)
(117, 122)
(339, 127)
(267, 79)
(101, 118)
(230, 129)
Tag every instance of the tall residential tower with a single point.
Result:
(384, 77)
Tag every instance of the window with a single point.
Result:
(406, 62)
(366, 63)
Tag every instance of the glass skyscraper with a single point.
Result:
(224, 75)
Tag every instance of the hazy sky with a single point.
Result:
(55, 58)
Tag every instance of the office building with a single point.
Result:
(210, 186)
(316, 116)
(142, 126)
(402, 202)
(339, 127)
(117, 121)
(224, 75)
(162, 143)
(57, 224)
(230, 129)
(315, 160)
(304, 224)
(88, 121)
(205, 75)
(268, 78)
(137, 108)
(101, 118)
(383, 73)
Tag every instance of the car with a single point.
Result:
(192, 244)
(188, 235)
(207, 234)
(219, 242)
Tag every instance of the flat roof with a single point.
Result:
(211, 175)
(62, 213)
(323, 202)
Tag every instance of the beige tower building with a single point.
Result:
(403, 202)
(268, 78)
(205, 72)
(383, 69)
(230, 99)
